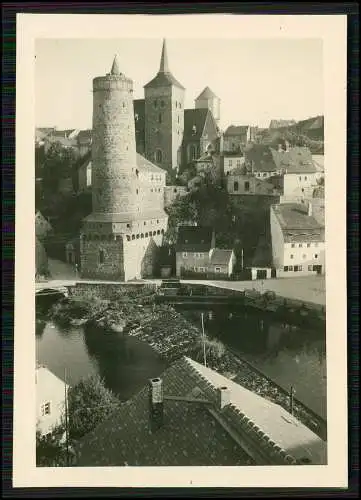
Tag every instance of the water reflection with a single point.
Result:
(287, 354)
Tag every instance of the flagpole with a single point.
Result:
(204, 341)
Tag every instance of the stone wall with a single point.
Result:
(114, 179)
(112, 265)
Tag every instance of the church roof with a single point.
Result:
(206, 94)
(164, 78)
(194, 118)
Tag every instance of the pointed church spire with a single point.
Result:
(164, 68)
(115, 67)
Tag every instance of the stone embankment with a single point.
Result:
(133, 312)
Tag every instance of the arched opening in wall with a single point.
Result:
(192, 152)
(142, 235)
(128, 237)
(154, 233)
(162, 231)
(137, 236)
(158, 156)
(146, 235)
(133, 237)
(158, 232)
(101, 256)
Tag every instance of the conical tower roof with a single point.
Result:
(164, 77)
(164, 68)
(115, 66)
(206, 94)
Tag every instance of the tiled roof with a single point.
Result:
(195, 434)
(206, 94)
(84, 136)
(221, 257)
(237, 130)
(297, 225)
(281, 123)
(194, 118)
(64, 141)
(262, 158)
(298, 160)
(145, 165)
(194, 238)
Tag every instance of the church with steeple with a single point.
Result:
(166, 133)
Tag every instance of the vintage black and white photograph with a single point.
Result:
(181, 252)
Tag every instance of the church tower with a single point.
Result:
(208, 99)
(119, 238)
(164, 117)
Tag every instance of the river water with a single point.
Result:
(287, 355)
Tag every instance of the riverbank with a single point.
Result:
(172, 335)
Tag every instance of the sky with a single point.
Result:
(257, 80)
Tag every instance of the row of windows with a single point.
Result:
(196, 255)
(236, 186)
(299, 268)
(300, 245)
(300, 178)
(110, 237)
(304, 256)
(238, 163)
(159, 103)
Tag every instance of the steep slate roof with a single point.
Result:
(197, 118)
(206, 94)
(262, 157)
(236, 130)
(298, 160)
(297, 225)
(194, 238)
(198, 434)
(145, 165)
(221, 257)
(164, 78)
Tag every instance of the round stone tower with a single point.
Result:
(114, 173)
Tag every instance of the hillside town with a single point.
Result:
(159, 198)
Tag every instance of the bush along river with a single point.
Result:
(127, 338)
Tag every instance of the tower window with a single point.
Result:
(193, 152)
(160, 118)
(101, 257)
(158, 156)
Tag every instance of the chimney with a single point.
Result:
(224, 397)
(156, 403)
(309, 209)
